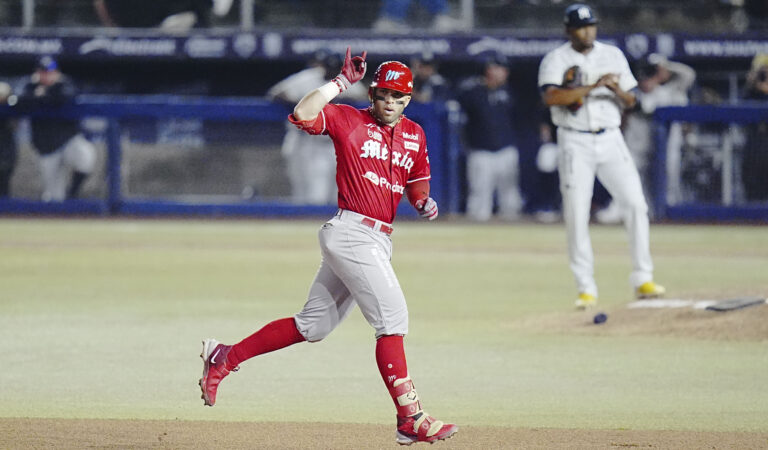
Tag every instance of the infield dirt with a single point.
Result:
(140, 434)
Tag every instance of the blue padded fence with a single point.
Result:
(442, 139)
(727, 117)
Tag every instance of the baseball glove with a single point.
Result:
(572, 79)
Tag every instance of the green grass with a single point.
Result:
(104, 318)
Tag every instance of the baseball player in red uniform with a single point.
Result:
(380, 155)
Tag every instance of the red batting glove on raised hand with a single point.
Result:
(352, 71)
(427, 208)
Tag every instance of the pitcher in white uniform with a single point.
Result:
(587, 84)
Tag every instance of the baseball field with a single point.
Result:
(101, 323)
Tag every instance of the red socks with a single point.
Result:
(272, 336)
(390, 356)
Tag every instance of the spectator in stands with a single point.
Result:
(428, 84)
(310, 159)
(661, 82)
(169, 15)
(8, 150)
(492, 155)
(754, 160)
(394, 13)
(66, 156)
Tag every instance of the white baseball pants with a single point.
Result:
(490, 172)
(311, 167)
(355, 269)
(582, 157)
(56, 168)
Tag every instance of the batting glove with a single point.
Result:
(427, 208)
(352, 71)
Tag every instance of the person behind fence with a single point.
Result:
(587, 83)
(661, 83)
(8, 149)
(428, 84)
(66, 157)
(490, 140)
(310, 160)
(754, 159)
(546, 197)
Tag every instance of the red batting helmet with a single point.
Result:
(393, 75)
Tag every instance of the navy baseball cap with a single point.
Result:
(495, 59)
(579, 15)
(47, 63)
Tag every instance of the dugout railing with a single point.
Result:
(718, 160)
(253, 127)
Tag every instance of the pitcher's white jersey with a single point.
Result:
(601, 109)
(591, 145)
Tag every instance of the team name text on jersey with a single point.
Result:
(373, 149)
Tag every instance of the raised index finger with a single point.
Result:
(349, 54)
(365, 53)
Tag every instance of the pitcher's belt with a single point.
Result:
(374, 224)
(598, 131)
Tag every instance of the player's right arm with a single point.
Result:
(560, 84)
(554, 95)
(311, 104)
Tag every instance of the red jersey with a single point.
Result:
(374, 162)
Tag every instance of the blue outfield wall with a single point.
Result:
(442, 138)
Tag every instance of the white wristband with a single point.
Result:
(329, 90)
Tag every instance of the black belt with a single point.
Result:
(598, 131)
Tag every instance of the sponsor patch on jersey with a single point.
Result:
(373, 134)
(414, 136)
(372, 177)
(411, 145)
(384, 183)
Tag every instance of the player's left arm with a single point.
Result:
(622, 82)
(417, 189)
(418, 196)
(611, 81)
